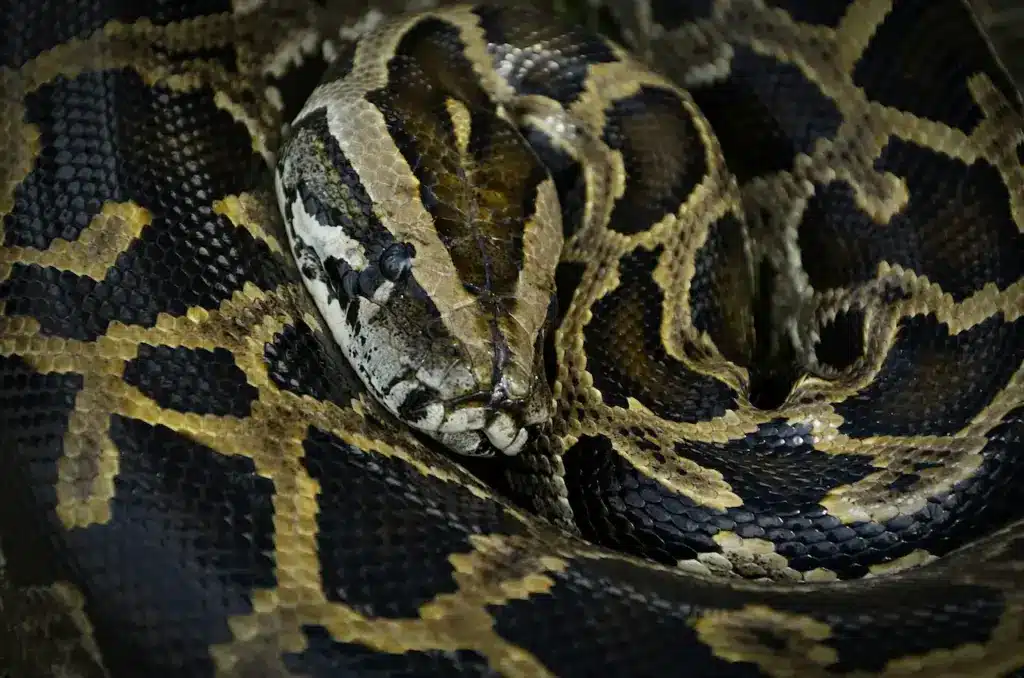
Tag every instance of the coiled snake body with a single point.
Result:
(771, 425)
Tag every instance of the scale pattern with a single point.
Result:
(195, 482)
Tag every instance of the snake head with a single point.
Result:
(429, 246)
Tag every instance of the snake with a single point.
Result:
(395, 339)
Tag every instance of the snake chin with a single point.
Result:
(483, 422)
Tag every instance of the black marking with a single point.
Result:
(934, 383)
(963, 241)
(568, 276)
(765, 113)
(306, 258)
(350, 284)
(307, 363)
(644, 609)
(352, 315)
(367, 282)
(921, 59)
(943, 620)
(540, 55)
(35, 408)
(774, 368)
(390, 497)
(570, 182)
(184, 519)
(625, 356)
(414, 405)
(75, 173)
(992, 495)
(722, 291)
(34, 414)
(641, 603)
(782, 479)
(841, 341)
(819, 13)
(144, 148)
(663, 155)
(609, 500)
(299, 80)
(340, 280)
(192, 380)
(107, 136)
(671, 14)
(777, 471)
(197, 260)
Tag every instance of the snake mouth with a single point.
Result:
(481, 422)
(501, 434)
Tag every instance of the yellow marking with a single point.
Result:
(871, 499)
(820, 574)
(90, 461)
(851, 157)
(855, 30)
(461, 125)
(95, 250)
(753, 558)
(21, 141)
(246, 6)
(1000, 134)
(251, 213)
(926, 133)
(704, 486)
(498, 570)
(243, 324)
(1000, 656)
(73, 602)
(53, 635)
(799, 649)
(674, 274)
(258, 129)
(131, 46)
(914, 559)
(110, 48)
(959, 454)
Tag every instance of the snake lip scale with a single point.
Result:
(413, 340)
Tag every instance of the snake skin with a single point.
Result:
(194, 482)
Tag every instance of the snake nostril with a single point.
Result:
(503, 401)
(499, 395)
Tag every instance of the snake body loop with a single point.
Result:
(737, 291)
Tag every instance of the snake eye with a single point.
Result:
(396, 261)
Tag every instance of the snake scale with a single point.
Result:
(254, 350)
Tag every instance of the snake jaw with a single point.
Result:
(484, 422)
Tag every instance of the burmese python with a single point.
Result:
(787, 341)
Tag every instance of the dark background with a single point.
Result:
(1004, 20)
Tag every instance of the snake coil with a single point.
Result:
(738, 294)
